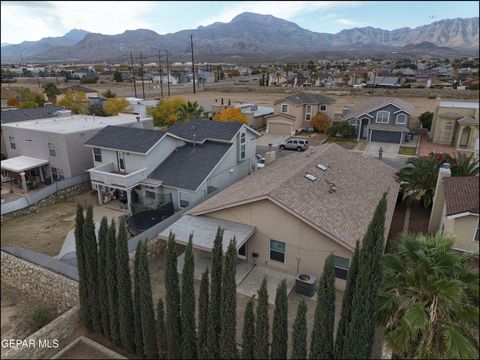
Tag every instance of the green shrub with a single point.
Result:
(343, 129)
(426, 119)
(38, 315)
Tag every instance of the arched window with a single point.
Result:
(401, 119)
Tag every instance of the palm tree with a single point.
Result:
(189, 111)
(429, 300)
(419, 180)
(463, 165)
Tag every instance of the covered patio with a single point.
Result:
(23, 172)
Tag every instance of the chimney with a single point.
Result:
(438, 199)
(270, 155)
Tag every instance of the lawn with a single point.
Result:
(406, 150)
(346, 143)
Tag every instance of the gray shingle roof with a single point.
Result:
(308, 98)
(9, 116)
(126, 138)
(205, 129)
(366, 106)
(189, 165)
(360, 181)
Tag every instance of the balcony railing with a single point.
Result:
(107, 175)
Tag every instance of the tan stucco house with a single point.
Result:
(290, 216)
(295, 112)
(455, 209)
(456, 123)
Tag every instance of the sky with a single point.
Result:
(33, 20)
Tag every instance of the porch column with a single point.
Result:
(24, 183)
(459, 136)
(401, 139)
(40, 169)
(129, 200)
(99, 195)
(359, 129)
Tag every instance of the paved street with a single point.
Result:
(389, 150)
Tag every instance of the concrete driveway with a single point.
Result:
(273, 139)
(389, 150)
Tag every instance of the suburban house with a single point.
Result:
(380, 119)
(290, 216)
(254, 113)
(456, 123)
(17, 115)
(89, 93)
(384, 81)
(150, 167)
(455, 209)
(295, 112)
(40, 151)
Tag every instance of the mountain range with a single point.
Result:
(251, 36)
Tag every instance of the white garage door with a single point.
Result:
(279, 128)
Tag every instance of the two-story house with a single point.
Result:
(295, 113)
(380, 119)
(182, 165)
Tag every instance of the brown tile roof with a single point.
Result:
(343, 215)
(461, 194)
(374, 103)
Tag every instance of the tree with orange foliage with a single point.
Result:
(320, 122)
(13, 102)
(231, 114)
(114, 106)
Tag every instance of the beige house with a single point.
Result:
(290, 216)
(455, 209)
(295, 112)
(456, 123)
(255, 114)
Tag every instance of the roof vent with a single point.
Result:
(333, 188)
(322, 167)
(310, 177)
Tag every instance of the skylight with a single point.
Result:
(322, 167)
(310, 177)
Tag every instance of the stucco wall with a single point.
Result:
(463, 228)
(306, 248)
(438, 123)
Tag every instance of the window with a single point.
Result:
(285, 109)
(277, 251)
(121, 161)
(323, 107)
(242, 146)
(308, 112)
(447, 131)
(477, 231)
(57, 174)
(150, 195)
(353, 122)
(341, 265)
(51, 149)
(383, 117)
(184, 198)
(97, 153)
(401, 119)
(11, 139)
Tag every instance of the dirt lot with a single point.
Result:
(45, 231)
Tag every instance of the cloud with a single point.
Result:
(56, 18)
(283, 9)
(349, 22)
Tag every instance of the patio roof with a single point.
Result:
(22, 163)
(204, 230)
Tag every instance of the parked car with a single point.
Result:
(298, 144)
(261, 163)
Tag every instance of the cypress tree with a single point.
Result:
(261, 343)
(111, 270)
(280, 323)
(321, 345)
(102, 275)
(228, 347)
(125, 303)
(248, 334)
(359, 338)
(172, 296)
(137, 301)
(147, 312)
(345, 315)
(203, 316)
(189, 342)
(91, 261)
(81, 268)
(299, 336)
(214, 321)
(161, 332)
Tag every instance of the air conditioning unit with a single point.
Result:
(305, 284)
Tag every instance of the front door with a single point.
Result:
(242, 252)
(465, 136)
(121, 161)
(364, 123)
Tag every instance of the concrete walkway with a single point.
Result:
(270, 139)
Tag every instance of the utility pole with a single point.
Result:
(374, 80)
(193, 64)
(160, 71)
(143, 75)
(133, 74)
(168, 74)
